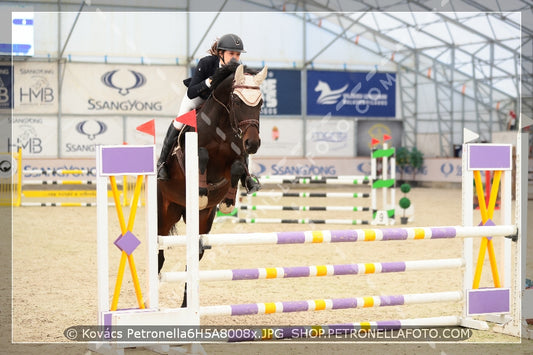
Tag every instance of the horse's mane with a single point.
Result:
(226, 70)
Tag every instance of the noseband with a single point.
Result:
(239, 127)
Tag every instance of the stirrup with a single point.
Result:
(252, 184)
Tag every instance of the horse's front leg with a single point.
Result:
(203, 159)
(228, 203)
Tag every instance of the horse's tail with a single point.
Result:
(174, 229)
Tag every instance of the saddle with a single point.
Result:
(179, 147)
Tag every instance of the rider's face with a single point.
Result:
(229, 55)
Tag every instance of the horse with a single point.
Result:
(228, 131)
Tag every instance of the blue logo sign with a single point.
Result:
(281, 93)
(6, 92)
(360, 94)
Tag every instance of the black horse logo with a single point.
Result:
(5, 166)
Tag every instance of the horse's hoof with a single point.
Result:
(202, 202)
(225, 208)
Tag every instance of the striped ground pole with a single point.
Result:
(329, 304)
(303, 208)
(348, 331)
(60, 182)
(316, 270)
(302, 221)
(57, 171)
(313, 177)
(307, 194)
(61, 204)
(346, 235)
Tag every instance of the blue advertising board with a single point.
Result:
(281, 93)
(358, 94)
(6, 89)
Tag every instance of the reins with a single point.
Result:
(237, 126)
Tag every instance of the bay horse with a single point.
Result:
(228, 130)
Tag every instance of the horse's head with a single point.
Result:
(246, 105)
(237, 90)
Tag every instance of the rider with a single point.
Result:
(229, 47)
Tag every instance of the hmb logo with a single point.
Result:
(39, 92)
(123, 82)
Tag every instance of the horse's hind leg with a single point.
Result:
(167, 217)
(228, 203)
(203, 159)
(206, 221)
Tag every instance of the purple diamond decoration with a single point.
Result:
(127, 242)
(488, 223)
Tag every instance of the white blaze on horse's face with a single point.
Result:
(247, 86)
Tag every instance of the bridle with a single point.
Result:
(238, 127)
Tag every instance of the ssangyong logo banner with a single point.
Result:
(81, 135)
(357, 94)
(122, 89)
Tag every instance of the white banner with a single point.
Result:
(311, 166)
(80, 135)
(35, 88)
(330, 137)
(37, 136)
(281, 137)
(122, 89)
(438, 169)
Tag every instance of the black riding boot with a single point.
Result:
(249, 181)
(170, 138)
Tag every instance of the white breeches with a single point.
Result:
(186, 106)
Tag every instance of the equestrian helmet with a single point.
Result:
(230, 42)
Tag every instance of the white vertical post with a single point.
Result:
(384, 169)
(102, 239)
(505, 211)
(193, 238)
(152, 249)
(373, 178)
(525, 295)
(467, 212)
(393, 188)
(373, 167)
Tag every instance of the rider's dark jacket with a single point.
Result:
(196, 84)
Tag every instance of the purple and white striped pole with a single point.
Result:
(316, 270)
(329, 304)
(348, 235)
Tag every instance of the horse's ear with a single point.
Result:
(259, 77)
(239, 75)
